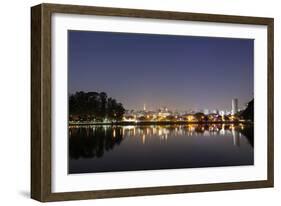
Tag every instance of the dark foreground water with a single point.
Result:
(128, 148)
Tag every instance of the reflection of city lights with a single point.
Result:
(114, 133)
(143, 139)
(241, 126)
(154, 130)
(222, 130)
(146, 133)
(236, 139)
(129, 127)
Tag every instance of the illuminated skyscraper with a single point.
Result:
(234, 106)
(144, 108)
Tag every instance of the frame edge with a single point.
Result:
(40, 103)
(158, 14)
(36, 138)
(270, 100)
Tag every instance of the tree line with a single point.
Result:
(94, 106)
(248, 113)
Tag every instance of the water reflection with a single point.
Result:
(170, 141)
(88, 142)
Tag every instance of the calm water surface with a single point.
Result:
(127, 148)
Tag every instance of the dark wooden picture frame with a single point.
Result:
(41, 101)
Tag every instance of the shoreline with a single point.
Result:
(155, 123)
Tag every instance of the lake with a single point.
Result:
(108, 148)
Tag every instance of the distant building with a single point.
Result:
(206, 111)
(216, 111)
(222, 112)
(234, 106)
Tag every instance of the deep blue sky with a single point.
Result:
(180, 72)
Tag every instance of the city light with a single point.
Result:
(165, 115)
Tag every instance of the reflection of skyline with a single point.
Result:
(182, 72)
(236, 137)
(164, 132)
(128, 148)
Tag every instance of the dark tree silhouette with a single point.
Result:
(94, 106)
(248, 113)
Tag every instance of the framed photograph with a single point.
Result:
(132, 102)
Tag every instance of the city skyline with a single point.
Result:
(178, 72)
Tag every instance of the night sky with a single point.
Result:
(179, 72)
